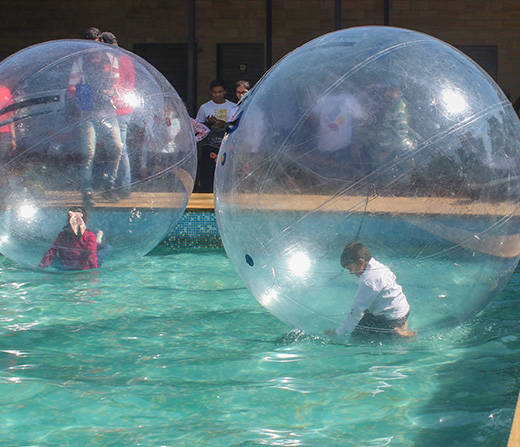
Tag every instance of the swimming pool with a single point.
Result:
(173, 350)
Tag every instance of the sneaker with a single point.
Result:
(87, 198)
(111, 195)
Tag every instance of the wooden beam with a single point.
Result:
(514, 437)
(201, 202)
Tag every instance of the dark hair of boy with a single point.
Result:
(217, 83)
(353, 252)
(92, 33)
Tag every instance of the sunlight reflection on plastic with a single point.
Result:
(27, 211)
(454, 101)
(88, 124)
(299, 264)
(382, 135)
(270, 295)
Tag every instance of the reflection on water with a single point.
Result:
(173, 350)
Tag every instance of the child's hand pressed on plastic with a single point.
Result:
(76, 222)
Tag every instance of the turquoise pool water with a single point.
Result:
(174, 351)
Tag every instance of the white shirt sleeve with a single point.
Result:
(365, 296)
(201, 114)
(76, 73)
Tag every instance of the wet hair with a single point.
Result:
(353, 252)
(92, 33)
(217, 83)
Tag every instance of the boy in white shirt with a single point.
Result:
(380, 304)
(214, 114)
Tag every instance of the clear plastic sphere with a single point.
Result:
(385, 136)
(84, 123)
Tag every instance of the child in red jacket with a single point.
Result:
(75, 245)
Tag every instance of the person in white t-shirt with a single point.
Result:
(214, 114)
(379, 304)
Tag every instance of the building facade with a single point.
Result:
(237, 39)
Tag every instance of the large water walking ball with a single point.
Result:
(385, 136)
(84, 123)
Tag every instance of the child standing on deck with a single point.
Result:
(379, 304)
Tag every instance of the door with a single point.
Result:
(239, 61)
(171, 59)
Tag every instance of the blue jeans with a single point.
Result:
(124, 177)
(89, 132)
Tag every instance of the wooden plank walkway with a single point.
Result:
(414, 206)
(420, 206)
(142, 200)
(201, 202)
(514, 437)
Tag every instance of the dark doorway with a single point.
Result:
(171, 59)
(237, 61)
